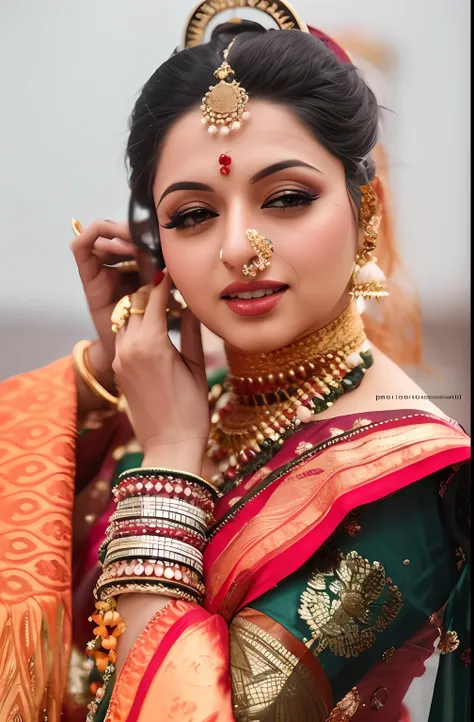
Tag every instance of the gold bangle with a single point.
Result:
(114, 590)
(79, 355)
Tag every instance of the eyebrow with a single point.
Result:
(186, 186)
(282, 165)
(264, 173)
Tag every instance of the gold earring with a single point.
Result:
(263, 248)
(368, 279)
(181, 304)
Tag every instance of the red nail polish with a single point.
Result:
(159, 276)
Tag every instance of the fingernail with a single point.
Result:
(76, 227)
(159, 276)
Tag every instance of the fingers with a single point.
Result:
(101, 242)
(191, 343)
(154, 320)
(148, 320)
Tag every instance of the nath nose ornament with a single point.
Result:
(263, 248)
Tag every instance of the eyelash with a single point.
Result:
(299, 198)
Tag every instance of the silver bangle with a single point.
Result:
(160, 543)
(157, 506)
(172, 520)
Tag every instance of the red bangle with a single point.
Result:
(170, 489)
(187, 536)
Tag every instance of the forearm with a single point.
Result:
(136, 611)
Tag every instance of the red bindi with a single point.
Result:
(224, 162)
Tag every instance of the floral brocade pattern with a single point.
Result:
(346, 606)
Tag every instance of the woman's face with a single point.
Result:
(283, 184)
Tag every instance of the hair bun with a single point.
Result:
(233, 28)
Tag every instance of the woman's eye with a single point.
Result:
(290, 199)
(190, 218)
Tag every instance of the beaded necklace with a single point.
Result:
(267, 397)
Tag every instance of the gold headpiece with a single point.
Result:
(223, 106)
(204, 13)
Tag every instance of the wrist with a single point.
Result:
(101, 366)
(183, 456)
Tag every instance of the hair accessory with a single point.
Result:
(224, 162)
(263, 248)
(368, 279)
(127, 267)
(204, 13)
(223, 106)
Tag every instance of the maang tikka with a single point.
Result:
(368, 279)
(223, 106)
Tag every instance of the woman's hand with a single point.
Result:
(104, 242)
(166, 391)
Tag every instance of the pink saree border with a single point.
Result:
(285, 561)
(289, 560)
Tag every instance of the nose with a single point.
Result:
(236, 250)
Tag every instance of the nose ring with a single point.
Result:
(263, 248)
(221, 256)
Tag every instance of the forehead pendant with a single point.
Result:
(223, 106)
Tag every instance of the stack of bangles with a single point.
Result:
(155, 539)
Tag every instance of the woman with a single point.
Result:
(301, 551)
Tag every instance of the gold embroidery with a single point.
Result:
(388, 654)
(378, 698)
(346, 708)
(334, 431)
(350, 524)
(303, 447)
(268, 681)
(361, 422)
(448, 643)
(339, 606)
(15, 715)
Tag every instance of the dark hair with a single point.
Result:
(288, 67)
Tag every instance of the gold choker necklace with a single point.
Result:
(268, 396)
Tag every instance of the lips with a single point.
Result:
(261, 288)
(254, 298)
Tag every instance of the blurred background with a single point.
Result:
(70, 73)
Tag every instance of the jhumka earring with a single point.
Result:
(223, 106)
(368, 279)
(263, 248)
